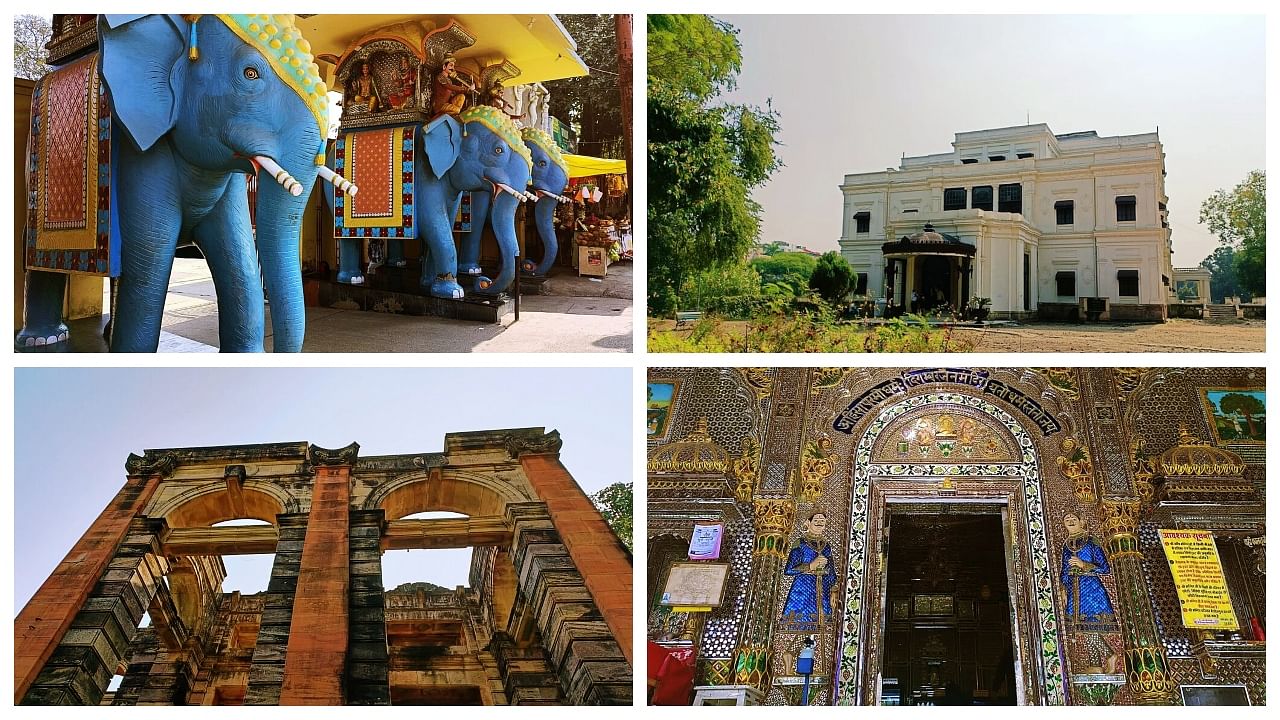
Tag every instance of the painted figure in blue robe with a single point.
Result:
(1089, 609)
(813, 572)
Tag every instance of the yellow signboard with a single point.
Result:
(1197, 572)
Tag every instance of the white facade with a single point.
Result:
(1091, 221)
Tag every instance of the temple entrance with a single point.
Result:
(947, 621)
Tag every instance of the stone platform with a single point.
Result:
(396, 290)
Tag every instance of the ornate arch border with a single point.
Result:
(1048, 644)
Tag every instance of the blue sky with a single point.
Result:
(907, 83)
(74, 428)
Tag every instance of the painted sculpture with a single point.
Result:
(1089, 609)
(189, 106)
(808, 606)
(550, 176)
(479, 151)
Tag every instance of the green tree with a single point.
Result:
(30, 34)
(695, 55)
(1222, 273)
(703, 288)
(787, 269)
(591, 103)
(1239, 219)
(771, 248)
(833, 277)
(614, 503)
(1246, 405)
(704, 158)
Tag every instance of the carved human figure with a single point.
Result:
(1089, 609)
(813, 587)
(402, 97)
(450, 95)
(363, 89)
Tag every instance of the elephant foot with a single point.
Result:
(350, 279)
(470, 270)
(447, 288)
(484, 286)
(51, 342)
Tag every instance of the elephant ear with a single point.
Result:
(442, 140)
(140, 61)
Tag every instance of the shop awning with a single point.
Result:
(586, 166)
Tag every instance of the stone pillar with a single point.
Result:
(97, 640)
(142, 657)
(47, 616)
(367, 681)
(1146, 667)
(266, 669)
(315, 663)
(581, 646)
(774, 518)
(590, 542)
(526, 676)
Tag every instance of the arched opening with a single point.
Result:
(445, 555)
(944, 453)
(246, 574)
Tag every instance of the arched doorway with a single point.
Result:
(948, 454)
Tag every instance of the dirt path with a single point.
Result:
(1176, 335)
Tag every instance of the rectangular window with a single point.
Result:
(982, 198)
(1066, 212)
(953, 199)
(995, 158)
(1011, 198)
(861, 287)
(968, 161)
(1128, 281)
(1025, 155)
(1066, 284)
(1126, 208)
(863, 219)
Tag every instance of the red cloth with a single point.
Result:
(671, 674)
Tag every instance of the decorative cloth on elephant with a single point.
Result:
(69, 173)
(547, 144)
(281, 43)
(501, 125)
(381, 162)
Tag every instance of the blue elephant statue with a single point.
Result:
(550, 176)
(479, 151)
(196, 103)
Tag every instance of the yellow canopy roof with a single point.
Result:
(585, 166)
(537, 44)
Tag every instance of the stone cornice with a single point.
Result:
(323, 457)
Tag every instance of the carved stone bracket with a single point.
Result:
(318, 456)
(234, 471)
(548, 444)
(148, 464)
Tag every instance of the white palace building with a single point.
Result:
(1044, 225)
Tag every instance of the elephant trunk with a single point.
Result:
(544, 218)
(503, 218)
(279, 222)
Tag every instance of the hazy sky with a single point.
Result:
(75, 427)
(909, 83)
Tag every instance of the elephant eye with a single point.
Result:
(497, 150)
(542, 163)
(251, 73)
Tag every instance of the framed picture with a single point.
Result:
(1215, 695)
(1236, 415)
(695, 584)
(659, 406)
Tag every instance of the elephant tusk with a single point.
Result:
(287, 181)
(508, 189)
(531, 196)
(344, 185)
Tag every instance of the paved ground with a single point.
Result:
(581, 316)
